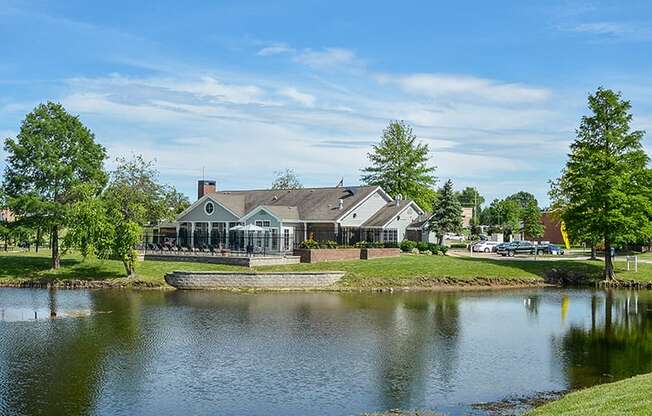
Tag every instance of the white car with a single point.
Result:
(485, 246)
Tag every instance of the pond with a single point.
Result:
(116, 352)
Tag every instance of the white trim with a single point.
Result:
(198, 202)
(401, 211)
(206, 204)
(256, 210)
(353, 208)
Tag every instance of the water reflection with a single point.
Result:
(197, 352)
(617, 344)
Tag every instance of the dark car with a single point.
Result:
(549, 249)
(517, 247)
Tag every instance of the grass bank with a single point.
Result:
(625, 397)
(24, 268)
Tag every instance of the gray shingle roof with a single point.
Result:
(386, 213)
(307, 204)
(421, 220)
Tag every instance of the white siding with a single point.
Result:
(407, 217)
(364, 211)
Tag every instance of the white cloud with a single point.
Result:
(298, 96)
(615, 31)
(328, 58)
(464, 86)
(276, 49)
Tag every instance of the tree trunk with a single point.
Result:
(594, 252)
(55, 248)
(441, 240)
(129, 269)
(38, 237)
(609, 273)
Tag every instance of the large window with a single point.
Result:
(286, 239)
(390, 235)
(264, 223)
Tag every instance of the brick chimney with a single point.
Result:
(205, 187)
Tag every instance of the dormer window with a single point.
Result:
(209, 208)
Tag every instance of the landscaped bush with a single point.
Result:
(376, 244)
(361, 244)
(458, 245)
(426, 253)
(422, 246)
(328, 244)
(434, 248)
(407, 246)
(443, 250)
(391, 245)
(309, 244)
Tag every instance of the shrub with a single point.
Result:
(426, 253)
(309, 243)
(377, 244)
(434, 248)
(361, 244)
(443, 250)
(392, 244)
(458, 245)
(407, 246)
(328, 244)
(422, 246)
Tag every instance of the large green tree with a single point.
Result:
(446, 213)
(607, 183)
(52, 155)
(531, 219)
(399, 164)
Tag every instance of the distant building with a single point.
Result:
(551, 228)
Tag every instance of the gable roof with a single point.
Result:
(306, 204)
(421, 221)
(388, 212)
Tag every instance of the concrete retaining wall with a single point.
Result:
(232, 260)
(374, 253)
(253, 280)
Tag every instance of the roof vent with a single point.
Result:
(398, 199)
(340, 204)
(274, 198)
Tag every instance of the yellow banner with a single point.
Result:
(564, 235)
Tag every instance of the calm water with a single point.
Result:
(164, 353)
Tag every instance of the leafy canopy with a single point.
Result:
(606, 184)
(52, 156)
(287, 179)
(400, 165)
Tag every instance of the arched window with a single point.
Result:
(209, 208)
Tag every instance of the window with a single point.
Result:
(286, 239)
(264, 223)
(209, 208)
(390, 235)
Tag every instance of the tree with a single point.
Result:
(523, 199)
(509, 216)
(90, 229)
(286, 180)
(607, 184)
(532, 224)
(446, 213)
(52, 155)
(174, 203)
(131, 197)
(400, 165)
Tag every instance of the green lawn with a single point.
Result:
(404, 271)
(626, 397)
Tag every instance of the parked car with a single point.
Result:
(549, 249)
(485, 246)
(517, 247)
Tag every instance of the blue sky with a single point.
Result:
(245, 88)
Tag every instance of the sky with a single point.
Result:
(236, 90)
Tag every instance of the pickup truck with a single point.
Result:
(516, 247)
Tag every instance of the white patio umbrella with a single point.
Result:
(248, 227)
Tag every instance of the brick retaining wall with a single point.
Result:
(374, 253)
(240, 280)
(326, 254)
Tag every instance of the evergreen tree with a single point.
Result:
(446, 213)
(607, 184)
(53, 154)
(532, 224)
(400, 165)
